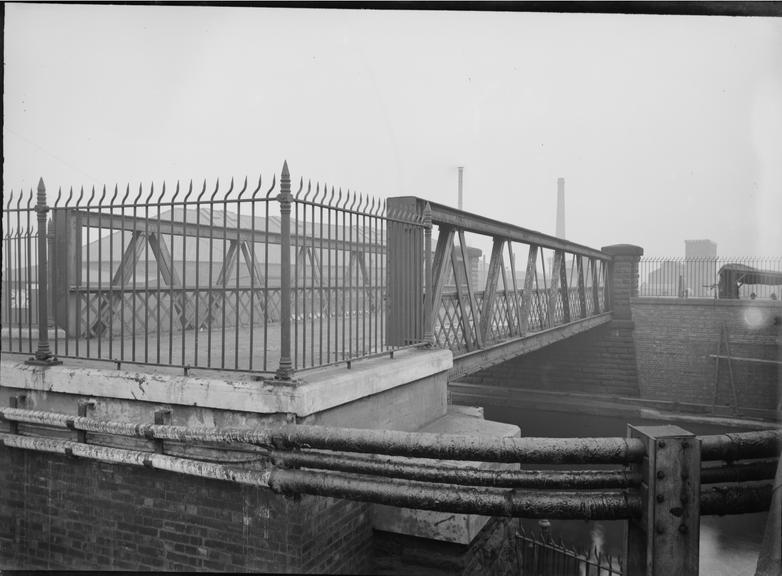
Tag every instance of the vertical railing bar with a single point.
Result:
(172, 275)
(146, 274)
(415, 308)
(158, 262)
(121, 278)
(313, 255)
(344, 270)
(253, 271)
(320, 281)
(88, 292)
(29, 282)
(237, 266)
(407, 313)
(183, 291)
(267, 287)
(295, 235)
(210, 289)
(103, 294)
(133, 295)
(77, 273)
(197, 287)
(329, 292)
(111, 272)
(224, 273)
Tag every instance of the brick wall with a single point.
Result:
(600, 361)
(66, 513)
(492, 553)
(674, 338)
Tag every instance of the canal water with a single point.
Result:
(729, 545)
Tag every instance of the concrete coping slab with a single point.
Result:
(313, 391)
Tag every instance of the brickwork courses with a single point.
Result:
(59, 513)
(676, 337)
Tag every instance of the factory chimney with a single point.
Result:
(461, 173)
(560, 207)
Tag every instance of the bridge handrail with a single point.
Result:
(449, 216)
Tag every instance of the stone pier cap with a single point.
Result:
(630, 250)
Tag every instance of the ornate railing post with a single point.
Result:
(285, 370)
(43, 356)
(429, 302)
(664, 541)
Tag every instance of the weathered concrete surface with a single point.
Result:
(313, 391)
(443, 526)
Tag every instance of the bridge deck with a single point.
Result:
(470, 362)
(249, 349)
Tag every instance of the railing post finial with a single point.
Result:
(43, 355)
(285, 369)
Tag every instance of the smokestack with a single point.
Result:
(560, 208)
(461, 173)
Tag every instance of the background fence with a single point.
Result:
(700, 277)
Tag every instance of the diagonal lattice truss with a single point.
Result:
(523, 286)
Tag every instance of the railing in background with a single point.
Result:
(562, 281)
(238, 280)
(682, 277)
(538, 553)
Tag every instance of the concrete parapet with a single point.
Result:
(234, 399)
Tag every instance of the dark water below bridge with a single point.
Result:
(729, 545)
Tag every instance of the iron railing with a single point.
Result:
(561, 281)
(259, 279)
(538, 554)
(681, 277)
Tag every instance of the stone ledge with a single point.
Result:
(313, 391)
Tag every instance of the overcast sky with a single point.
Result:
(665, 128)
